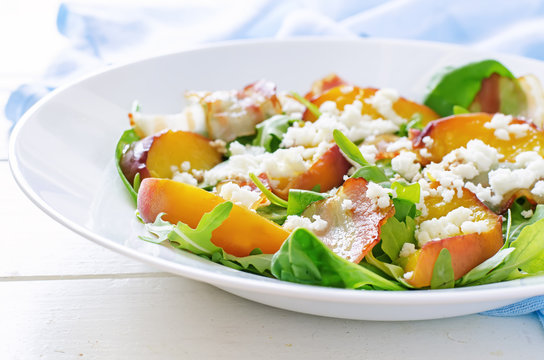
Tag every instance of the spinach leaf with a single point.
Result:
(311, 107)
(458, 110)
(443, 277)
(299, 200)
(370, 173)
(395, 233)
(461, 85)
(304, 259)
(270, 132)
(394, 271)
(407, 192)
(518, 221)
(127, 138)
(198, 241)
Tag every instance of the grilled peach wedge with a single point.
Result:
(242, 232)
(466, 250)
(155, 155)
(343, 95)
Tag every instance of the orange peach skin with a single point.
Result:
(467, 251)
(345, 94)
(242, 232)
(456, 131)
(327, 172)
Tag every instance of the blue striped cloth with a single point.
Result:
(102, 35)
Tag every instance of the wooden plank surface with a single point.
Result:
(166, 318)
(33, 245)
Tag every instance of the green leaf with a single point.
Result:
(394, 271)
(311, 107)
(458, 110)
(482, 270)
(127, 138)
(349, 148)
(370, 173)
(270, 132)
(407, 192)
(198, 241)
(274, 199)
(415, 122)
(272, 212)
(404, 209)
(299, 200)
(304, 259)
(461, 85)
(395, 233)
(443, 277)
(518, 222)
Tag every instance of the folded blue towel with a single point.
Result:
(101, 35)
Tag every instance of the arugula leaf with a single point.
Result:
(395, 233)
(299, 200)
(443, 277)
(394, 271)
(198, 241)
(311, 107)
(415, 122)
(461, 85)
(270, 132)
(304, 259)
(274, 199)
(127, 138)
(272, 212)
(527, 255)
(367, 171)
(518, 222)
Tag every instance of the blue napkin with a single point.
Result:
(101, 35)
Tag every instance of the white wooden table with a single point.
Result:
(63, 297)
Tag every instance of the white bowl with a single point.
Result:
(62, 155)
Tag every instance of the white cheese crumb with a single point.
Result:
(527, 213)
(243, 196)
(538, 189)
(407, 250)
(406, 164)
(503, 128)
(369, 152)
(347, 204)
(383, 101)
(408, 275)
(402, 143)
(428, 141)
(294, 221)
(184, 177)
(186, 166)
(378, 195)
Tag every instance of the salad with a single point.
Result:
(348, 186)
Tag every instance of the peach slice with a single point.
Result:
(327, 172)
(242, 232)
(467, 251)
(346, 94)
(322, 85)
(350, 233)
(456, 131)
(155, 155)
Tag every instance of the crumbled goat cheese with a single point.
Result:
(406, 164)
(408, 275)
(290, 106)
(402, 143)
(527, 213)
(185, 166)
(457, 222)
(347, 204)
(378, 195)
(427, 140)
(369, 152)
(294, 221)
(424, 153)
(185, 177)
(219, 145)
(503, 128)
(383, 101)
(538, 189)
(243, 196)
(407, 249)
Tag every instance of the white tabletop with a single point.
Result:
(63, 297)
